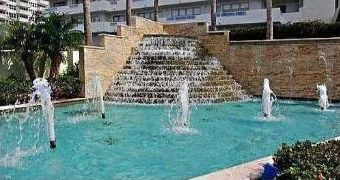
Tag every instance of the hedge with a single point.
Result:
(312, 29)
(13, 89)
(307, 160)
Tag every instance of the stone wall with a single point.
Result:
(294, 67)
(113, 51)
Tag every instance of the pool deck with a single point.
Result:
(250, 170)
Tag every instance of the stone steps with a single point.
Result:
(159, 65)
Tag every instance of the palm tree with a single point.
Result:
(213, 15)
(87, 22)
(21, 39)
(270, 34)
(155, 8)
(128, 12)
(54, 34)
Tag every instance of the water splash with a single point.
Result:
(268, 97)
(14, 158)
(323, 97)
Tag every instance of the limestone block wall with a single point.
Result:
(113, 51)
(294, 67)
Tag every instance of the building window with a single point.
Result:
(118, 18)
(147, 15)
(283, 9)
(244, 6)
(57, 4)
(226, 7)
(186, 11)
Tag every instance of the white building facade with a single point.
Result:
(107, 14)
(22, 10)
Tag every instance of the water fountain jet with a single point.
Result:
(43, 92)
(96, 93)
(181, 123)
(323, 98)
(268, 97)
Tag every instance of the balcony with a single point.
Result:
(101, 26)
(25, 12)
(3, 7)
(3, 16)
(96, 6)
(229, 18)
(188, 18)
(248, 17)
(24, 4)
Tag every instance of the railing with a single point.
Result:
(101, 26)
(181, 18)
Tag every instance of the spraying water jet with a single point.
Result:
(96, 93)
(42, 90)
(323, 98)
(268, 97)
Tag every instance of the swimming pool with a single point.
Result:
(134, 142)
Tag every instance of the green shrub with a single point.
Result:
(311, 29)
(306, 160)
(65, 87)
(13, 89)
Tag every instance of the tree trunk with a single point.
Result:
(29, 66)
(42, 64)
(128, 12)
(87, 22)
(155, 8)
(270, 34)
(213, 15)
(55, 65)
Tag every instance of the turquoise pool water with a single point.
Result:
(133, 141)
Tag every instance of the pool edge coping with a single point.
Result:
(248, 170)
(58, 103)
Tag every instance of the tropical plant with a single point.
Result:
(307, 160)
(22, 41)
(213, 15)
(54, 34)
(41, 40)
(87, 23)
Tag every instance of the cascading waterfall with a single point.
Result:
(268, 97)
(158, 66)
(96, 95)
(42, 90)
(323, 97)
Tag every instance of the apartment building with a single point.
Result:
(107, 14)
(21, 10)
